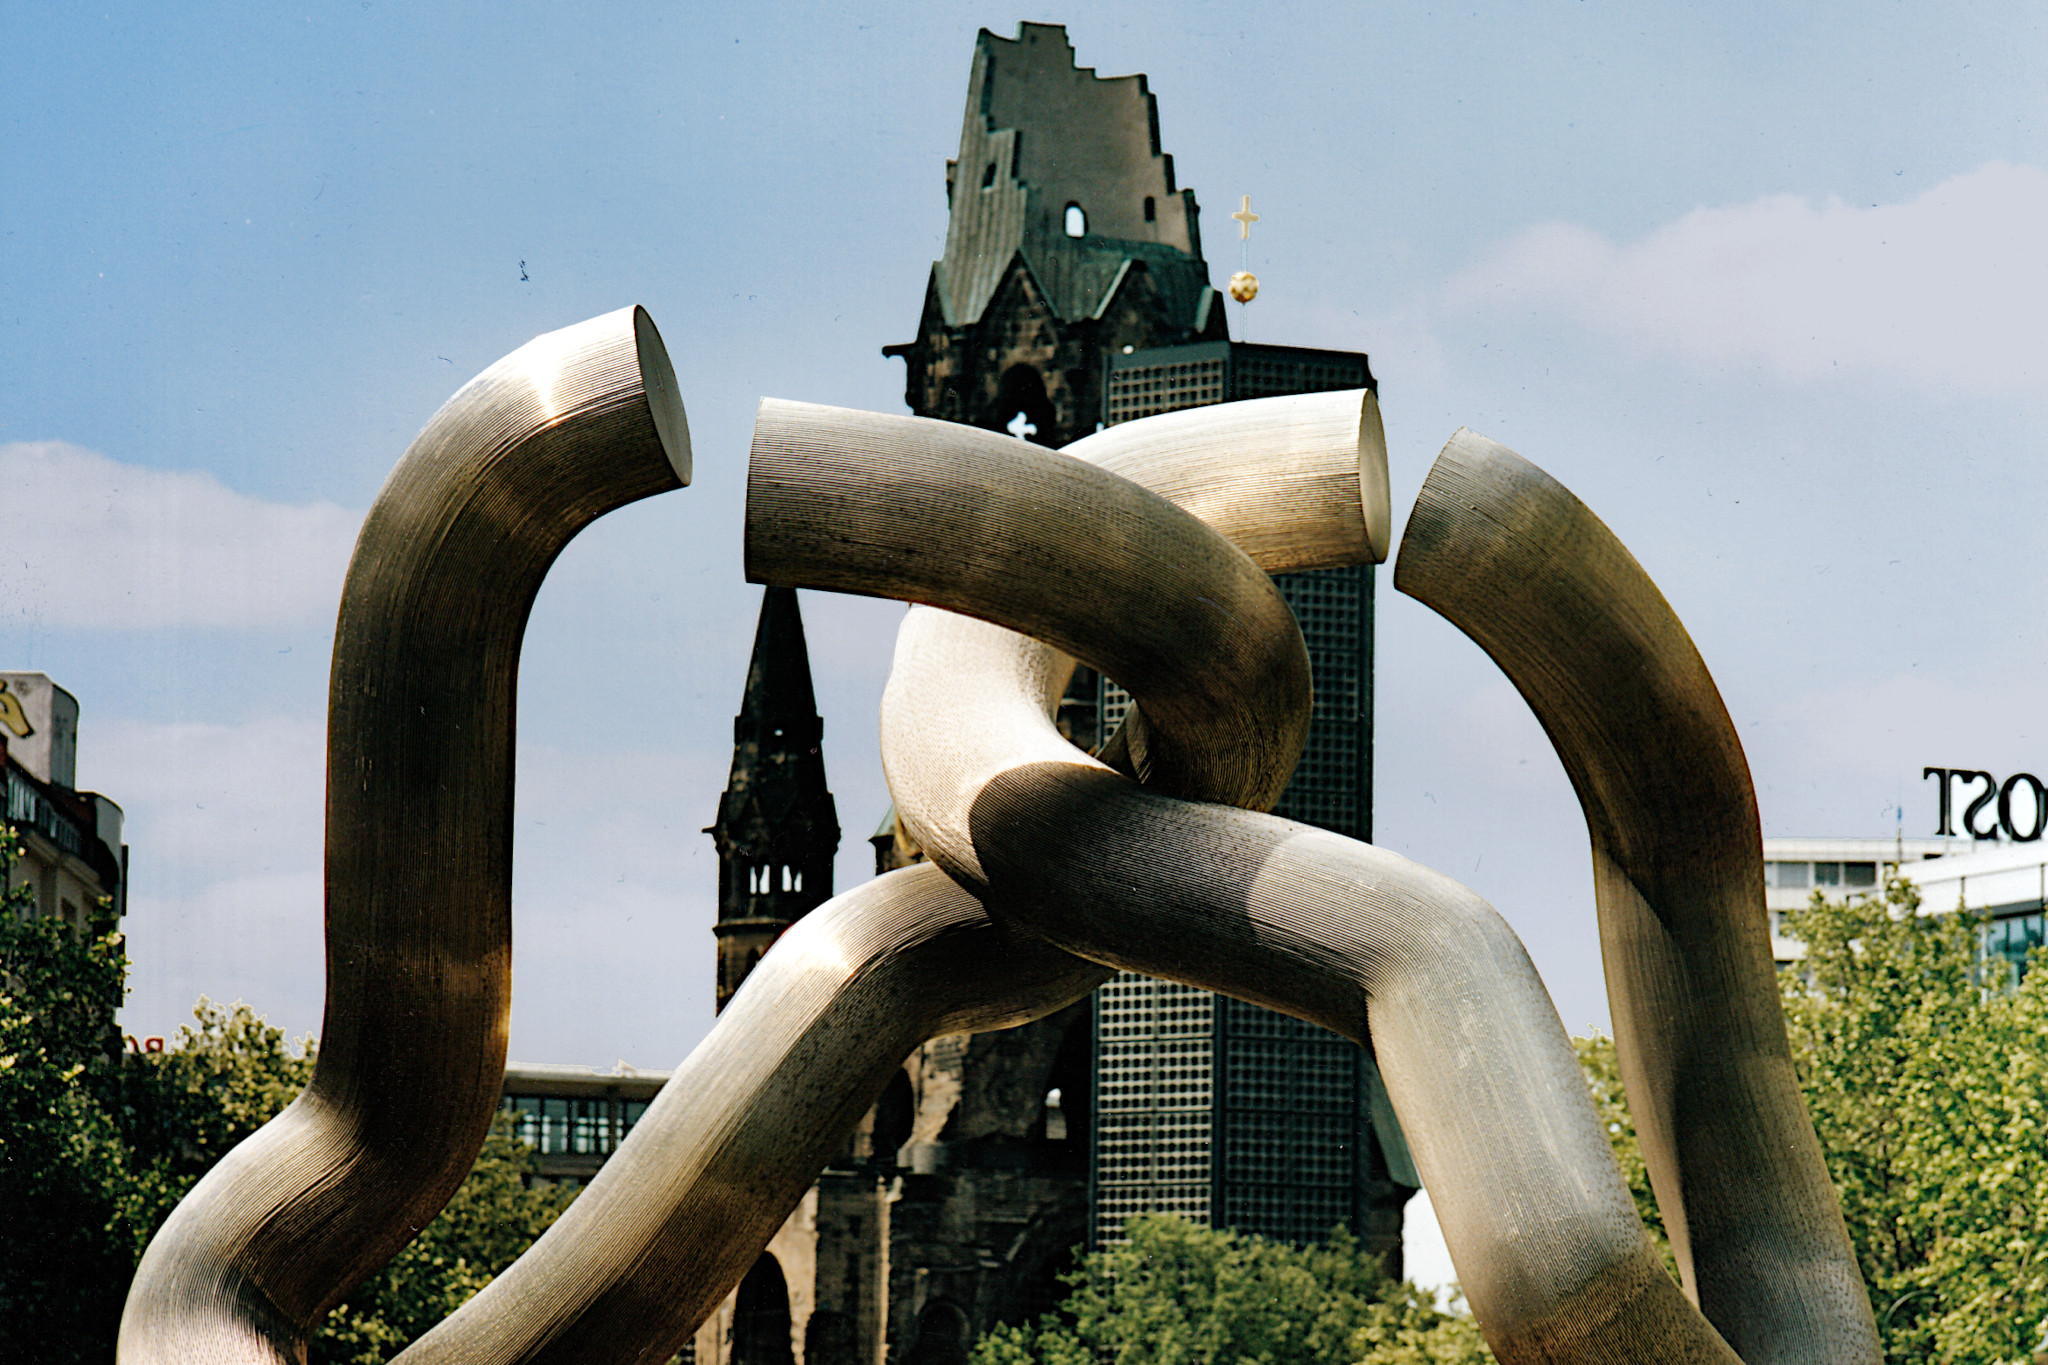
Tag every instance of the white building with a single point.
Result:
(2007, 881)
(71, 846)
(573, 1116)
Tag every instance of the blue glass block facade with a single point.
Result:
(1227, 1113)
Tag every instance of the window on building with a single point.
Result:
(1825, 876)
(988, 177)
(894, 1114)
(2009, 942)
(526, 1124)
(1788, 876)
(584, 1127)
(1077, 221)
(1151, 209)
(541, 1123)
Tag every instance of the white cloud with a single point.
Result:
(613, 898)
(89, 543)
(206, 801)
(1948, 289)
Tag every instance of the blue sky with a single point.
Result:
(1764, 285)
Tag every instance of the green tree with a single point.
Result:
(98, 1145)
(1180, 1294)
(1922, 1062)
(1922, 1065)
(178, 1112)
(63, 1161)
(494, 1216)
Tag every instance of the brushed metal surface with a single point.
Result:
(1354, 938)
(419, 845)
(1515, 561)
(1296, 482)
(1050, 867)
(999, 528)
(680, 1211)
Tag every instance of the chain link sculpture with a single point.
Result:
(1144, 551)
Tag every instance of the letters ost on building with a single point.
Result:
(1994, 791)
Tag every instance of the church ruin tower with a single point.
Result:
(1067, 241)
(777, 828)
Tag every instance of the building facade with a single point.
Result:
(2005, 881)
(1796, 868)
(1073, 294)
(573, 1116)
(1224, 1112)
(72, 852)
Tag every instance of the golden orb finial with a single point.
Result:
(1244, 286)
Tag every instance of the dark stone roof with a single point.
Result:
(776, 806)
(1042, 134)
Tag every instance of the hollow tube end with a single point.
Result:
(664, 396)
(1374, 494)
(1424, 512)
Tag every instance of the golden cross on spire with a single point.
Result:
(1245, 218)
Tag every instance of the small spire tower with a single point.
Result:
(777, 827)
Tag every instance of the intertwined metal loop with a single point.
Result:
(1142, 551)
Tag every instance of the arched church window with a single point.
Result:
(1151, 209)
(943, 1337)
(1025, 409)
(1066, 1107)
(1077, 221)
(988, 177)
(760, 1320)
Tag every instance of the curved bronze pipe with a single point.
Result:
(1511, 558)
(1296, 482)
(680, 1211)
(683, 1207)
(1295, 918)
(1000, 528)
(419, 845)
(1555, 1261)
